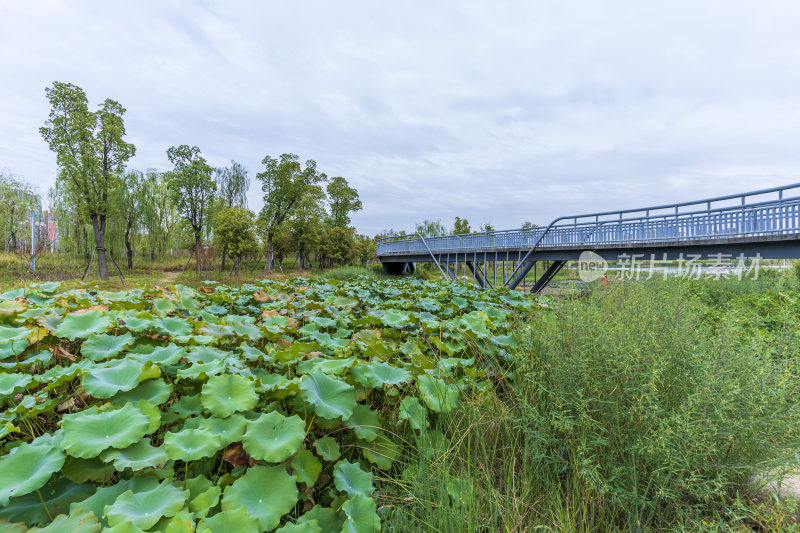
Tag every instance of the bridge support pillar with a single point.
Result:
(548, 275)
(523, 271)
(398, 269)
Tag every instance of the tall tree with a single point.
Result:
(90, 152)
(233, 183)
(487, 227)
(430, 228)
(461, 226)
(192, 189)
(343, 200)
(17, 199)
(132, 201)
(233, 228)
(284, 183)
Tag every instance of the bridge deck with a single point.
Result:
(765, 222)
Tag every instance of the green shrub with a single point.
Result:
(343, 273)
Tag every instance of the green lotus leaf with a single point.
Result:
(165, 355)
(373, 375)
(268, 493)
(138, 324)
(414, 412)
(50, 321)
(172, 326)
(88, 433)
(327, 448)
(8, 334)
(244, 326)
(79, 522)
(154, 391)
(187, 406)
(103, 346)
(328, 366)
(206, 354)
(273, 437)
(202, 370)
(350, 478)
(13, 383)
(227, 394)
(230, 521)
(306, 467)
(395, 319)
(205, 501)
(381, 452)
(476, 323)
(182, 522)
(83, 470)
(191, 444)
(228, 429)
(328, 520)
(437, 395)
(54, 497)
(83, 325)
(311, 526)
(49, 287)
(13, 348)
(124, 527)
(26, 469)
(144, 509)
(137, 456)
(362, 515)
(7, 527)
(108, 495)
(330, 397)
(105, 382)
(364, 422)
(163, 306)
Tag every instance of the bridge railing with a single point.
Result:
(766, 212)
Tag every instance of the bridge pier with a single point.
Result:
(398, 268)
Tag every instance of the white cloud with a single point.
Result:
(502, 111)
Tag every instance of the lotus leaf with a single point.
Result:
(12, 383)
(437, 395)
(202, 370)
(26, 469)
(395, 319)
(100, 347)
(8, 334)
(54, 497)
(306, 467)
(230, 521)
(327, 448)
(330, 397)
(83, 325)
(172, 326)
(139, 324)
(79, 522)
(362, 516)
(328, 520)
(86, 434)
(228, 429)
(105, 382)
(13, 348)
(136, 456)
(268, 493)
(205, 501)
(144, 509)
(381, 452)
(373, 375)
(166, 355)
(414, 412)
(108, 495)
(227, 394)
(311, 526)
(191, 444)
(124, 527)
(83, 470)
(350, 478)
(164, 306)
(154, 391)
(273, 437)
(365, 422)
(12, 307)
(328, 366)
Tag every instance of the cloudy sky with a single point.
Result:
(498, 111)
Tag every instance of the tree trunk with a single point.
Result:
(153, 253)
(99, 229)
(128, 243)
(13, 241)
(236, 262)
(197, 251)
(224, 254)
(268, 264)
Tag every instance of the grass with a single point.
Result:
(641, 407)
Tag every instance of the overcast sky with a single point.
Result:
(499, 112)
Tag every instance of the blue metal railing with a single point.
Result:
(763, 213)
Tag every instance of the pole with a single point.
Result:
(33, 240)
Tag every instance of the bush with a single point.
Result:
(343, 273)
(631, 399)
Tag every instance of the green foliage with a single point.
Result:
(343, 200)
(430, 228)
(234, 232)
(180, 409)
(461, 226)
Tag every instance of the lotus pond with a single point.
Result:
(273, 406)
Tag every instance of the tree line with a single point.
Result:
(98, 199)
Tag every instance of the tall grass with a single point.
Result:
(625, 410)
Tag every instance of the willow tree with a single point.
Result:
(131, 202)
(192, 189)
(285, 184)
(90, 152)
(17, 199)
(233, 183)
